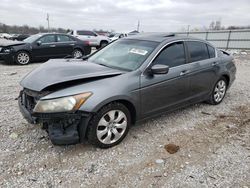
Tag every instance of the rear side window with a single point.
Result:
(87, 33)
(172, 56)
(211, 51)
(63, 38)
(197, 50)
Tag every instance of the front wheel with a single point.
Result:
(219, 92)
(109, 126)
(23, 58)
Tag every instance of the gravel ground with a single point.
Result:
(214, 146)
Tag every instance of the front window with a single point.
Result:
(172, 56)
(48, 39)
(124, 54)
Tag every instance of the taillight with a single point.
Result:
(86, 42)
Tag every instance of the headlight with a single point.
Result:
(6, 50)
(64, 104)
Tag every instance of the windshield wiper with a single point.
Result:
(113, 67)
(104, 65)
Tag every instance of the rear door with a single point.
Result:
(203, 68)
(159, 92)
(65, 45)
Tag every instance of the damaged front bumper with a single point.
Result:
(63, 128)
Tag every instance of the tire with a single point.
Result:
(23, 58)
(105, 131)
(219, 91)
(102, 44)
(77, 53)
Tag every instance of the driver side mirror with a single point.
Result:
(159, 69)
(39, 43)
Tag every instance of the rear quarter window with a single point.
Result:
(211, 51)
(197, 50)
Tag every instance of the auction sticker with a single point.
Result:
(138, 51)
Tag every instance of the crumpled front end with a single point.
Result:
(63, 128)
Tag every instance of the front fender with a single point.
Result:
(95, 104)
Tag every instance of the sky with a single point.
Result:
(123, 15)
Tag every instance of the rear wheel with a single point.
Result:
(23, 58)
(102, 44)
(77, 53)
(109, 126)
(219, 92)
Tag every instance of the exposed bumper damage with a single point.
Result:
(63, 128)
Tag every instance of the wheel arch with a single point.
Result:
(103, 40)
(227, 77)
(127, 103)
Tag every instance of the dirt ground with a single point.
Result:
(214, 145)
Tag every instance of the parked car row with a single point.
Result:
(42, 47)
(18, 37)
(116, 36)
(5, 35)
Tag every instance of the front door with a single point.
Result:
(45, 47)
(159, 92)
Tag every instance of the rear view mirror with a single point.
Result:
(38, 43)
(159, 69)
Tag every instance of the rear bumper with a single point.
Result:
(63, 128)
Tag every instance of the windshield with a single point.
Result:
(124, 54)
(32, 38)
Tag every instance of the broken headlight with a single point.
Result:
(64, 104)
(7, 50)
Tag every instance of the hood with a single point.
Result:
(11, 43)
(61, 71)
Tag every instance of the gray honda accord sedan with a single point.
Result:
(99, 97)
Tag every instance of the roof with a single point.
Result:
(157, 37)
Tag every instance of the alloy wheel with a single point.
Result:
(219, 91)
(77, 54)
(23, 58)
(111, 126)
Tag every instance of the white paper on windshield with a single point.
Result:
(138, 51)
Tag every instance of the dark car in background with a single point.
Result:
(19, 37)
(130, 80)
(41, 47)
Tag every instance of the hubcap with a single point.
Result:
(77, 54)
(219, 91)
(23, 58)
(111, 126)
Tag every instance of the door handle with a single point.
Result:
(184, 72)
(72, 44)
(52, 46)
(215, 63)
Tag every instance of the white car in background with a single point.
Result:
(94, 39)
(116, 36)
(5, 35)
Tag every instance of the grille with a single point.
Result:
(28, 101)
